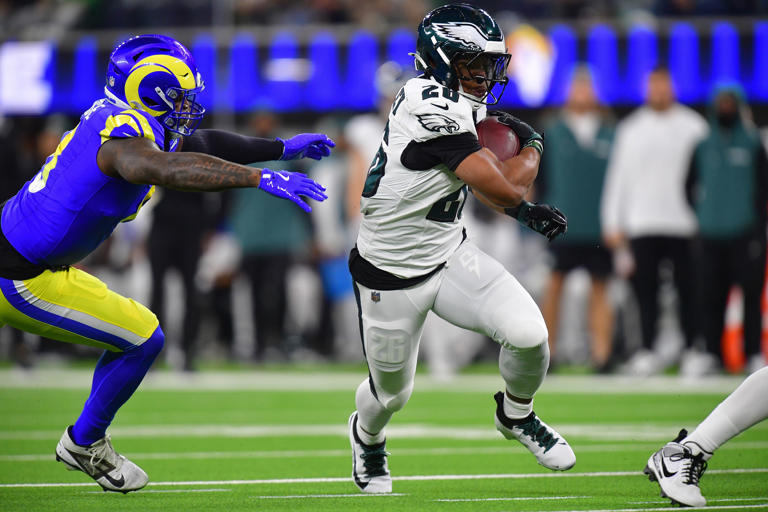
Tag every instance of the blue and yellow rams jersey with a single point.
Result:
(70, 206)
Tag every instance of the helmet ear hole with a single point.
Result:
(150, 102)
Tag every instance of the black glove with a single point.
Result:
(527, 135)
(545, 219)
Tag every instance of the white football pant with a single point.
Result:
(472, 291)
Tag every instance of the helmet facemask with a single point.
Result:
(484, 71)
(186, 113)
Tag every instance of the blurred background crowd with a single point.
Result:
(664, 262)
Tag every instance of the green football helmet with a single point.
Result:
(462, 42)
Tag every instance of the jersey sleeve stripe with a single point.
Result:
(126, 124)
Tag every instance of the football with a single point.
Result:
(498, 137)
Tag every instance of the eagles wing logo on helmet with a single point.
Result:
(468, 34)
(438, 123)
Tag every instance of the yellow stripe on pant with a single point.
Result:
(76, 307)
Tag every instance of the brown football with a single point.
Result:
(498, 137)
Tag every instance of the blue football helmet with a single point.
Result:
(158, 75)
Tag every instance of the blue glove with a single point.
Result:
(307, 145)
(291, 185)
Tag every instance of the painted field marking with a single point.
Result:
(303, 496)
(763, 498)
(518, 498)
(325, 381)
(323, 480)
(586, 431)
(165, 491)
(668, 508)
(499, 449)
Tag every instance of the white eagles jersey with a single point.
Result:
(411, 219)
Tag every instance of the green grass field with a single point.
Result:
(276, 440)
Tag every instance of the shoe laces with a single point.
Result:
(540, 434)
(102, 450)
(693, 467)
(374, 459)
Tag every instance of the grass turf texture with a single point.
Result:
(265, 450)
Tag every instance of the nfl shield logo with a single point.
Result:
(375, 296)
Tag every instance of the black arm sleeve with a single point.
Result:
(233, 147)
(450, 150)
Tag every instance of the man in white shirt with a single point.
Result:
(644, 211)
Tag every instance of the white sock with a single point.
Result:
(516, 410)
(743, 408)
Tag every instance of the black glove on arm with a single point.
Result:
(527, 135)
(545, 219)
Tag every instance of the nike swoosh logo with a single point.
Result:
(666, 472)
(115, 482)
(444, 106)
(285, 178)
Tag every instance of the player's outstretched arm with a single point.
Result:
(243, 149)
(139, 160)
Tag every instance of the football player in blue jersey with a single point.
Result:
(141, 135)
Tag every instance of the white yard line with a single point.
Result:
(322, 480)
(172, 491)
(324, 380)
(499, 449)
(596, 432)
(668, 508)
(517, 498)
(305, 496)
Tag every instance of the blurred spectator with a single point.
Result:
(25, 143)
(573, 170)
(645, 217)
(728, 188)
(689, 8)
(333, 240)
(272, 234)
(175, 243)
(363, 134)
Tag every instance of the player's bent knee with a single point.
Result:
(154, 344)
(395, 402)
(526, 333)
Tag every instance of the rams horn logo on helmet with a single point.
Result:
(438, 123)
(465, 33)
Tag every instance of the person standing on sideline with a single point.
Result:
(644, 211)
(102, 172)
(727, 186)
(573, 171)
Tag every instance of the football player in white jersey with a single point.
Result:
(413, 254)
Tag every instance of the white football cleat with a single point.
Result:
(550, 448)
(369, 462)
(100, 461)
(677, 471)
